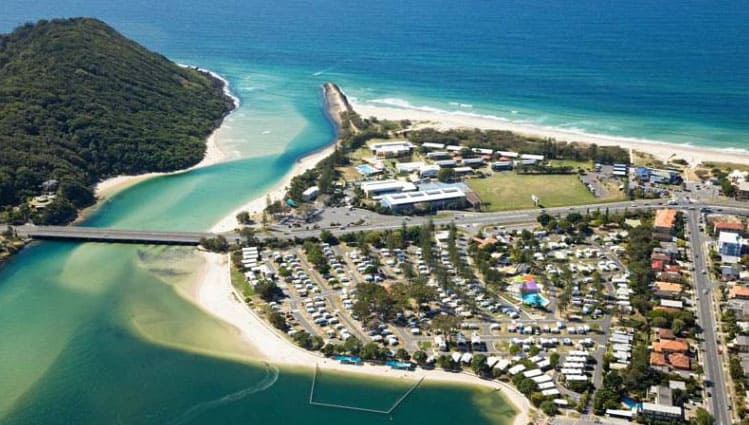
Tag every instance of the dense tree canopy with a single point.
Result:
(79, 102)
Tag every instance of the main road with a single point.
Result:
(712, 364)
(478, 219)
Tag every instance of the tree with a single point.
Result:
(370, 351)
(446, 175)
(243, 218)
(278, 321)
(327, 237)
(78, 117)
(217, 244)
(526, 386)
(478, 364)
(402, 354)
(549, 408)
(373, 301)
(268, 290)
(444, 362)
(544, 219)
(420, 356)
(78, 194)
(702, 417)
(248, 233)
(445, 324)
(677, 326)
(352, 346)
(554, 359)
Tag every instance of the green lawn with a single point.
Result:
(510, 191)
(240, 283)
(571, 163)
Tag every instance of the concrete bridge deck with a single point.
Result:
(96, 234)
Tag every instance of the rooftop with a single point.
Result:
(671, 345)
(665, 218)
(423, 196)
(738, 291)
(664, 333)
(401, 145)
(386, 185)
(729, 225)
(667, 287)
(657, 359)
(679, 361)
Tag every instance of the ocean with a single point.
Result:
(96, 333)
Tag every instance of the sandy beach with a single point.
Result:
(276, 192)
(215, 294)
(458, 120)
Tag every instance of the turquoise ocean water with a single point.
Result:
(93, 333)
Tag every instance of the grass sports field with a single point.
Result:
(510, 191)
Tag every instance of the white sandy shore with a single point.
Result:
(110, 186)
(216, 295)
(335, 104)
(454, 120)
(276, 192)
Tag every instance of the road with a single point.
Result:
(476, 219)
(712, 364)
(460, 218)
(102, 234)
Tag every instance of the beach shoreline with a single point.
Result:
(445, 120)
(335, 104)
(215, 294)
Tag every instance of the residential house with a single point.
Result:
(739, 292)
(667, 289)
(740, 344)
(739, 307)
(742, 190)
(665, 223)
(671, 346)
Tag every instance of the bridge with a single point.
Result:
(96, 234)
(474, 220)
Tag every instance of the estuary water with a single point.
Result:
(95, 333)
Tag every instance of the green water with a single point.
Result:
(98, 334)
(103, 334)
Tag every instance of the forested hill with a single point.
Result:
(79, 102)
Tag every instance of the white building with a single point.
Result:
(430, 145)
(661, 411)
(391, 149)
(508, 154)
(408, 167)
(429, 171)
(534, 157)
(381, 187)
(452, 197)
(310, 193)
